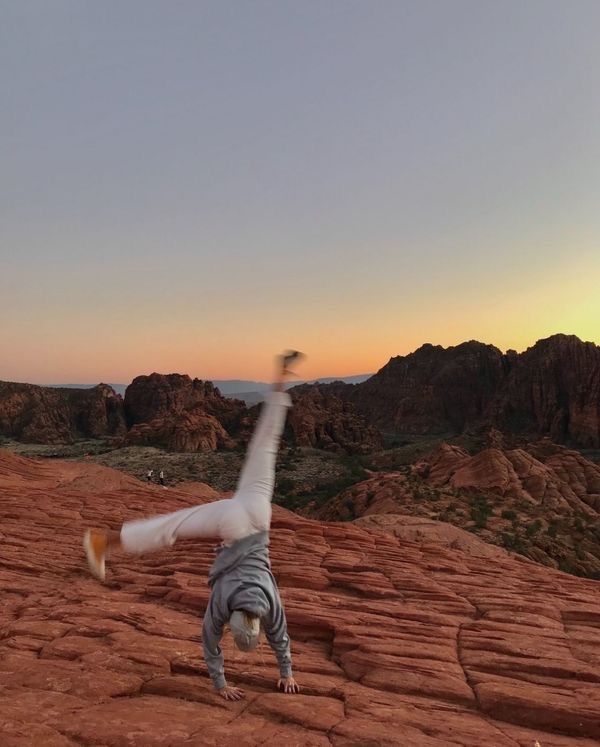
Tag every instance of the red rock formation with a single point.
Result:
(396, 641)
(563, 481)
(553, 388)
(36, 414)
(319, 418)
(543, 503)
(181, 414)
(434, 389)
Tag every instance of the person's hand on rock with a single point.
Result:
(231, 693)
(288, 685)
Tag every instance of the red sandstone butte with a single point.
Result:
(395, 641)
(181, 414)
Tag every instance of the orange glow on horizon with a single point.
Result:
(54, 346)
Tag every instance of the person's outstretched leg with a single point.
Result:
(257, 480)
(219, 520)
(249, 511)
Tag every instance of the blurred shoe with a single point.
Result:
(289, 357)
(94, 544)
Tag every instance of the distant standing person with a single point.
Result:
(149, 475)
(161, 478)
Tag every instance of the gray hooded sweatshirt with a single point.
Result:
(241, 579)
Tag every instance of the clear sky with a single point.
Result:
(189, 186)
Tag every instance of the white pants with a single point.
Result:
(247, 512)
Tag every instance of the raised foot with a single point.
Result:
(288, 358)
(94, 544)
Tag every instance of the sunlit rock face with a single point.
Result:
(407, 639)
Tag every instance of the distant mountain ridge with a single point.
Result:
(118, 388)
(231, 387)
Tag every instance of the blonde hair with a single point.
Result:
(249, 619)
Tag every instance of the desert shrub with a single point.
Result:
(533, 528)
(579, 524)
(513, 542)
(285, 485)
(480, 511)
(355, 465)
(568, 567)
(509, 514)
(552, 528)
(350, 507)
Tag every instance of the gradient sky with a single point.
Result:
(189, 186)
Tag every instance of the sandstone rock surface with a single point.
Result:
(395, 641)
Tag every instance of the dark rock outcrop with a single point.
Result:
(553, 389)
(434, 389)
(37, 414)
(182, 414)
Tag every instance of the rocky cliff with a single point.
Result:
(182, 414)
(38, 414)
(396, 641)
(323, 420)
(434, 389)
(553, 389)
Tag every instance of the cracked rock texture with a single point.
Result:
(395, 642)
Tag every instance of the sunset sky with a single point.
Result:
(191, 186)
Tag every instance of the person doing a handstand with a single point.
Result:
(243, 590)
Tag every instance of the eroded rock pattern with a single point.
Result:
(395, 642)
